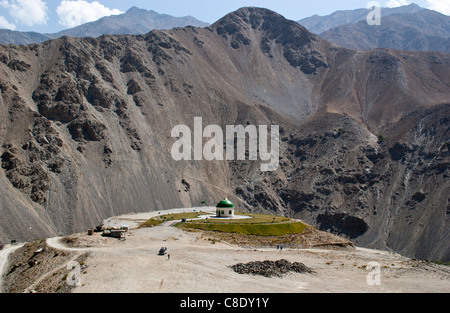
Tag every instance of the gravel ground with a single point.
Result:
(200, 265)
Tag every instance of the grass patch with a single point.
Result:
(275, 229)
(157, 220)
(255, 219)
(442, 263)
(152, 222)
(258, 224)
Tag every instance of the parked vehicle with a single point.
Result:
(162, 251)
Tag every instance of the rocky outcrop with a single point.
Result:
(342, 224)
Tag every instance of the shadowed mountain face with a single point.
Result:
(364, 151)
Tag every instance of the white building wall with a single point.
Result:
(225, 212)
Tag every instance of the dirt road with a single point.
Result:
(4, 254)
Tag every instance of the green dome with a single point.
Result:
(225, 203)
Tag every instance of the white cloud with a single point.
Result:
(27, 12)
(4, 24)
(442, 6)
(74, 13)
(396, 3)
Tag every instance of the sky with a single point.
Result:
(51, 16)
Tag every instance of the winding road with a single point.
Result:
(4, 255)
(133, 220)
(56, 243)
(200, 265)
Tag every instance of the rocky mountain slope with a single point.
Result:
(86, 131)
(425, 30)
(133, 22)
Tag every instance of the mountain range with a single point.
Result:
(320, 24)
(133, 22)
(86, 131)
(408, 27)
(425, 30)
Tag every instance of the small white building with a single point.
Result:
(225, 208)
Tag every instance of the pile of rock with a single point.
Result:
(270, 268)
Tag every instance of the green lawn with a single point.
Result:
(155, 221)
(255, 219)
(258, 224)
(271, 229)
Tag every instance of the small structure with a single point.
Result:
(225, 208)
(114, 233)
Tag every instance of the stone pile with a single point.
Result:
(270, 268)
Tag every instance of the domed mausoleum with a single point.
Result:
(225, 208)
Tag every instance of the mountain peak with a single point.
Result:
(256, 18)
(413, 5)
(297, 42)
(250, 15)
(135, 10)
(249, 11)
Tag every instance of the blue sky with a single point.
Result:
(49, 16)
